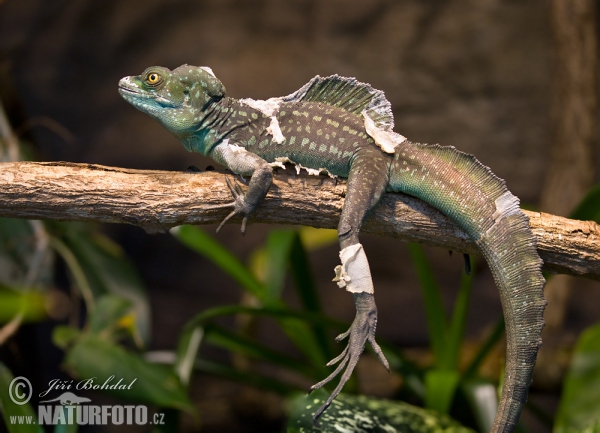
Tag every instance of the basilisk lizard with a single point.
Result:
(343, 127)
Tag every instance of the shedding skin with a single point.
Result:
(344, 127)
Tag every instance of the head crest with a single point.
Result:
(205, 76)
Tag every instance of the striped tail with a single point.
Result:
(478, 201)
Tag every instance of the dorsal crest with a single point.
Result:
(348, 94)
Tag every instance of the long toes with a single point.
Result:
(232, 187)
(238, 188)
(227, 218)
(331, 376)
(228, 182)
(379, 352)
(337, 390)
(342, 336)
(337, 358)
(223, 206)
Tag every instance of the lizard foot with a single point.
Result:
(361, 331)
(238, 204)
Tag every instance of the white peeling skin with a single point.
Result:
(281, 161)
(354, 273)
(507, 204)
(236, 158)
(269, 108)
(275, 131)
(386, 140)
(209, 70)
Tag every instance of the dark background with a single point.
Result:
(473, 74)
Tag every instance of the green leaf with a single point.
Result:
(306, 288)
(65, 336)
(21, 258)
(107, 320)
(313, 238)
(77, 272)
(197, 240)
(589, 207)
(283, 248)
(109, 311)
(397, 361)
(276, 256)
(243, 345)
(30, 304)
(95, 358)
(13, 413)
(248, 377)
(187, 350)
(350, 413)
(274, 312)
(580, 399)
(434, 307)
(107, 270)
(457, 324)
(440, 388)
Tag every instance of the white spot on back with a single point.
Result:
(269, 108)
(386, 140)
(275, 131)
(207, 69)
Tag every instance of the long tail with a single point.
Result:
(467, 191)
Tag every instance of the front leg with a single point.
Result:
(366, 183)
(245, 163)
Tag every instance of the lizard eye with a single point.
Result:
(153, 78)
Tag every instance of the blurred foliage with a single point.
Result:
(579, 405)
(311, 331)
(118, 317)
(589, 208)
(109, 315)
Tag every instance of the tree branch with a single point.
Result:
(159, 200)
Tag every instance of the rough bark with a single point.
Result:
(159, 200)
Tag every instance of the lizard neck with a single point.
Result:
(218, 121)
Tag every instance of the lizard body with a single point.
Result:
(343, 127)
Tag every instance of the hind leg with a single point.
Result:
(366, 183)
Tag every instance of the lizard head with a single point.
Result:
(177, 98)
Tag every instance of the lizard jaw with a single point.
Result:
(143, 100)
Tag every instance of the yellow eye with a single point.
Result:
(153, 78)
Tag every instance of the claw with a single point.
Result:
(234, 187)
(237, 204)
(227, 218)
(379, 353)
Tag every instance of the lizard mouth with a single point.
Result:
(128, 91)
(129, 88)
